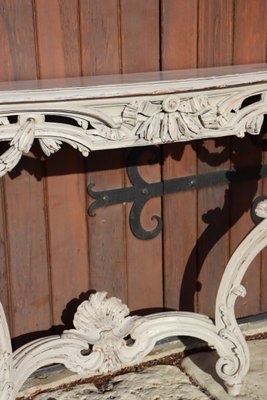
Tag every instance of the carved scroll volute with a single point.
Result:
(6, 360)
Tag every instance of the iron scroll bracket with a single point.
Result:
(141, 191)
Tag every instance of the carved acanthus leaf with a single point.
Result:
(24, 137)
(21, 143)
(254, 125)
(78, 146)
(9, 160)
(50, 146)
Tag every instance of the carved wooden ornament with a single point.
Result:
(126, 111)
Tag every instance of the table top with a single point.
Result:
(118, 111)
(146, 83)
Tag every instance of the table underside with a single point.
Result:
(128, 111)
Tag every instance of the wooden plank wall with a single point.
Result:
(51, 253)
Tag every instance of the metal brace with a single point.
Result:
(141, 191)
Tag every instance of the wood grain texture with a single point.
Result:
(25, 217)
(58, 34)
(140, 28)
(215, 44)
(57, 38)
(249, 47)
(100, 37)
(101, 55)
(179, 20)
(140, 35)
(251, 27)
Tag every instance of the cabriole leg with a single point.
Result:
(6, 360)
(233, 367)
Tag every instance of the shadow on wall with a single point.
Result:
(218, 220)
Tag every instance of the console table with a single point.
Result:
(125, 111)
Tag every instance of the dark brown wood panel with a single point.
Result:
(25, 217)
(215, 40)
(100, 35)
(179, 19)
(58, 35)
(249, 47)
(140, 46)
(50, 250)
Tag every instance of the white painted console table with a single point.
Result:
(126, 111)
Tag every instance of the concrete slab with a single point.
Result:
(201, 368)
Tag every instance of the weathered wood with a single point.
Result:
(139, 25)
(145, 83)
(179, 19)
(215, 43)
(66, 56)
(115, 122)
(57, 27)
(106, 242)
(25, 220)
(249, 47)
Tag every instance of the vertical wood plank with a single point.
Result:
(101, 55)
(140, 52)
(24, 193)
(100, 36)
(215, 44)
(140, 35)
(59, 56)
(179, 51)
(249, 47)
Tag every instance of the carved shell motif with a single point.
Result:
(103, 322)
(101, 315)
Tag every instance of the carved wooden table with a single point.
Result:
(126, 111)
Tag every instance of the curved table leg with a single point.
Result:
(234, 367)
(104, 323)
(6, 361)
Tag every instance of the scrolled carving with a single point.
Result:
(21, 143)
(6, 360)
(27, 130)
(170, 118)
(104, 323)
(234, 364)
(177, 118)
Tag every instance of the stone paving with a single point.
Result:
(196, 381)
(200, 367)
(155, 383)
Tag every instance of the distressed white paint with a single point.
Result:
(127, 111)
